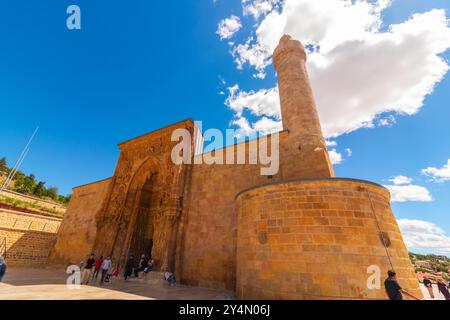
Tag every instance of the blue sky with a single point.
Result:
(134, 67)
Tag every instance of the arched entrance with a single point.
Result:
(145, 221)
(147, 206)
(144, 229)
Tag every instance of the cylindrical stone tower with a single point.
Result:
(318, 239)
(306, 155)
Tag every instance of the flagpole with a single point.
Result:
(19, 161)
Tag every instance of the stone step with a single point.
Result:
(153, 277)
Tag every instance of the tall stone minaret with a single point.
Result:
(305, 155)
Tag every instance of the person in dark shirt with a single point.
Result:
(143, 263)
(429, 285)
(87, 271)
(443, 289)
(393, 289)
(129, 268)
(2, 268)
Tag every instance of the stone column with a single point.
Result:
(306, 144)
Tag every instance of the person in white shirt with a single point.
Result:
(170, 278)
(106, 265)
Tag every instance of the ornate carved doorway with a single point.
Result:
(143, 208)
(144, 229)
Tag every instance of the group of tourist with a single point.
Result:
(395, 292)
(144, 266)
(442, 287)
(91, 269)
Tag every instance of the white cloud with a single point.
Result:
(438, 174)
(259, 103)
(349, 152)
(358, 71)
(263, 126)
(419, 234)
(410, 192)
(256, 55)
(335, 157)
(258, 8)
(400, 180)
(330, 143)
(388, 121)
(228, 27)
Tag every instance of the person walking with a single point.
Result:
(2, 268)
(97, 266)
(429, 285)
(443, 289)
(393, 289)
(143, 263)
(87, 270)
(129, 267)
(106, 265)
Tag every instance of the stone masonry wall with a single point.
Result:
(78, 229)
(208, 253)
(39, 202)
(315, 239)
(29, 238)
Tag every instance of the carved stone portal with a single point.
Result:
(142, 212)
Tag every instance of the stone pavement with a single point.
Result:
(437, 294)
(50, 284)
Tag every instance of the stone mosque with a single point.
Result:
(300, 234)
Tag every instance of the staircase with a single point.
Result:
(155, 278)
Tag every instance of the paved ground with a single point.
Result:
(49, 284)
(426, 295)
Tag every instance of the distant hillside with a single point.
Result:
(431, 265)
(29, 185)
(11, 200)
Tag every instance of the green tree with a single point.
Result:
(3, 164)
(64, 199)
(25, 184)
(52, 192)
(19, 174)
(39, 190)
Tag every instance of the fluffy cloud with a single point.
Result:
(228, 27)
(259, 103)
(409, 192)
(419, 234)
(359, 71)
(438, 174)
(400, 180)
(263, 126)
(349, 152)
(388, 121)
(331, 143)
(255, 55)
(335, 157)
(258, 8)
